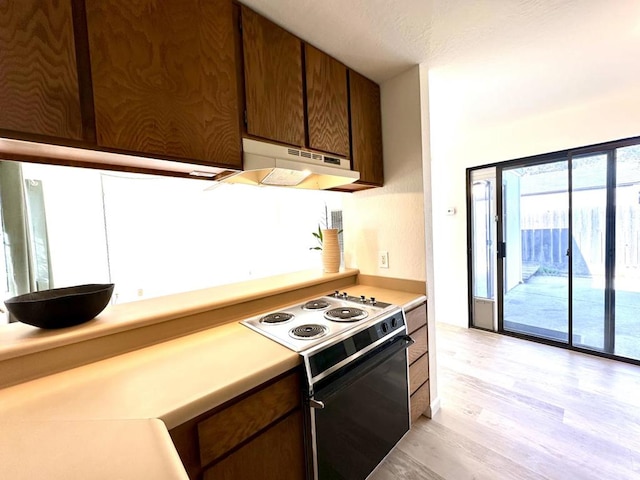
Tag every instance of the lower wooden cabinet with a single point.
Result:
(258, 435)
(418, 373)
(420, 401)
(418, 361)
(277, 453)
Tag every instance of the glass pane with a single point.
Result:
(589, 203)
(535, 229)
(483, 227)
(627, 264)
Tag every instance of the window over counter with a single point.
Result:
(150, 235)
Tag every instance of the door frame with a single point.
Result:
(608, 148)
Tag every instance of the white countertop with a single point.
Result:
(82, 450)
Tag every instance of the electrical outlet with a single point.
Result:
(383, 259)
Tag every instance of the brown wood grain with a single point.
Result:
(230, 427)
(327, 102)
(366, 129)
(273, 80)
(420, 347)
(416, 318)
(419, 402)
(165, 79)
(418, 373)
(276, 454)
(38, 73)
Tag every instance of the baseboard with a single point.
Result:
(433, 407)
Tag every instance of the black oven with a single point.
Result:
(357, 399)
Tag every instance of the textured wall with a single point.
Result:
(392, 218)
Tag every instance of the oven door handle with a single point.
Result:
(398, 344)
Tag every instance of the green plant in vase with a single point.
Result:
(318, 236)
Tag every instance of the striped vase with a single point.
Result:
(330, 250)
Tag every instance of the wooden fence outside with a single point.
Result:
(545, 240)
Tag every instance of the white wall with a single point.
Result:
(397, 217)
(392, 218)
(470, 133)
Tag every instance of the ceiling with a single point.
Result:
(378, 38)
(382, 38)
(489, 60)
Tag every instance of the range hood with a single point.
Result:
(275, 165)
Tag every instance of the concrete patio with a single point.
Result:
(540, 307)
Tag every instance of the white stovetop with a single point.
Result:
(302, 316)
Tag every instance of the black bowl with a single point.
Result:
(61, 307)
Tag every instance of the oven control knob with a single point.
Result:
(372, 300)
(385, 328)
(394, 322)
(345, 295)
(336, 293)
(363, 299)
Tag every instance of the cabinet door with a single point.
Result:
(273, 80)
(366, 129)
(223, 431)
(164, 78)
(276, 454)
(38, 73)
(327, 102)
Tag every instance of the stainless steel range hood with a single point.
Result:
(275, 165)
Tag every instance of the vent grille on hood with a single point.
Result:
(269, 164)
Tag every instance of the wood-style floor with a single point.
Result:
(513, 409)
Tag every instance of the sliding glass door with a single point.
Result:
(626, 271)
(534, 229)
(590, 251)
(566, 266)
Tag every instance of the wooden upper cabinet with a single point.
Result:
(165, 79)
(366, 129)
(327, 102)
(38, 73)
(273, 80)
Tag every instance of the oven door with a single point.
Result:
(360, 413)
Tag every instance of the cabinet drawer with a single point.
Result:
(419, 402)
(416, 318)
(418, 373)
(419, 348)
(223, 431)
